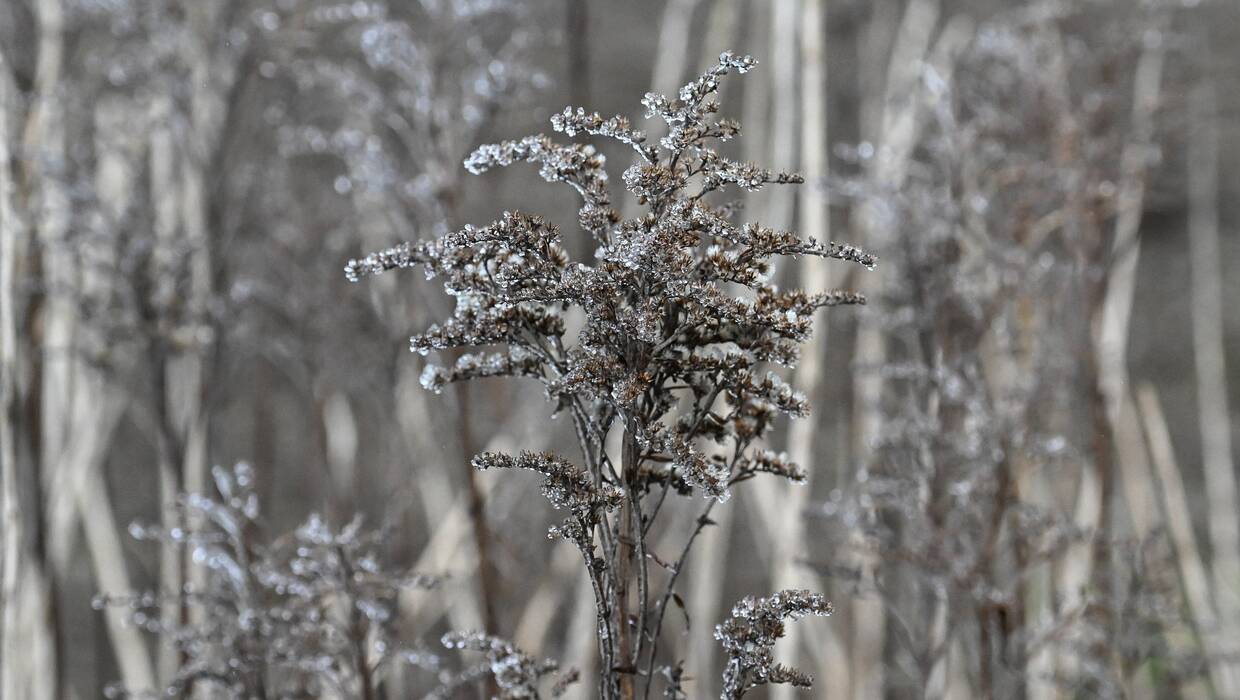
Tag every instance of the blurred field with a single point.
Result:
(1021, 452)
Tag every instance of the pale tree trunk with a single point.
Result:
(45, 139)
(15, 465)
(564, 585)
(1105, 367)
(897, 116)
(1126, 246)
(706, 576)
(1116, 312)
(904, 129)
(778, 521)
(179, 164)
(340, 431)
(1194, 579)
(105, 544)
(582, 636)
(1142, 507)
(1139, 496)
(935, 683)
(211, 80)
(1009, 361)
(555, 586)
(893, 140)
(705, 597)
(98, 404)
(449, 551)
(413, 413)
(756, 110)
(435, 488)
(828, 650)
(163, 273)
(48, 211)
(379, 220)
(863, 616)
(766, 508)
(1214, 414)
(948, 666)
(782, 75)
(1055, 601)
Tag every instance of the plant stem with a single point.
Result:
(625, 563)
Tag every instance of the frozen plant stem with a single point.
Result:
(682, 331)
(627, 565)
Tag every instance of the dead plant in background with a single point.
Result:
(1006, 242)
(309, 613)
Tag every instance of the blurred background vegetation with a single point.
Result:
(1022, 451)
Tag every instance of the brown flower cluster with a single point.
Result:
(749, 637)
(677, 329)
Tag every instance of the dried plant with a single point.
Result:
(1000, 244)
(307, 613)
(517, 676)
(158, 137)
(677, 324)
(749, 637)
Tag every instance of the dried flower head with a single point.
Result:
(517, 675)
(748, 638)
(677, 328)
(662, 316)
